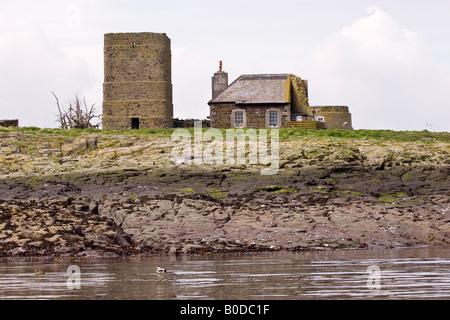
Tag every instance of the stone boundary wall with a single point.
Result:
(9, 123)
(189, 123)
(335, 117)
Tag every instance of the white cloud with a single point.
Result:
(384, 73)
(32, 64)
(372, 9)
(381, 70)
(190, 76)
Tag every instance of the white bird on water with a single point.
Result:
(161, 270)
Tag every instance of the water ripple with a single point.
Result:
(424, 276)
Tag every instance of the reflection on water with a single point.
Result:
(404, 274)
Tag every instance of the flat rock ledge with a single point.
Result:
(85, 228)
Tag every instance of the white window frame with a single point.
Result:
(273, 118)
(320, 119)
(268, 112)
(233, 118)
(238, 119)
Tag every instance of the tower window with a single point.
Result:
(134, 123)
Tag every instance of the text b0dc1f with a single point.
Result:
(242, 309)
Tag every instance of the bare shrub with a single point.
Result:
(78, 115)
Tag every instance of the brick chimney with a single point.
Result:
(219, 82)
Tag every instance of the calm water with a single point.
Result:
(404, 274)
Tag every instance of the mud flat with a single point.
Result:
(112, 196)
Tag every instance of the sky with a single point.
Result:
(387, 60)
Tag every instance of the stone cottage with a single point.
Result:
(270, 101)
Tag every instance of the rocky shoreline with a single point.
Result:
(101, 197)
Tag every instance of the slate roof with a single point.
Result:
(257, 88)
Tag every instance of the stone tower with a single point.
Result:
(137, 91)
(219, 82)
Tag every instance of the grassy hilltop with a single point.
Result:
(285, 133)
(362, 161)
(32, 150)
